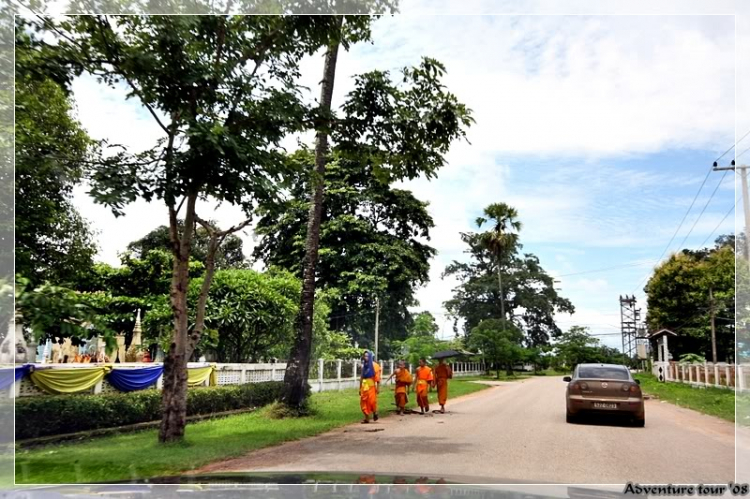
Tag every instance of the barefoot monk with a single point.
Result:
(443, 373)
(422, 382)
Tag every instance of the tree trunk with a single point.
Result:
(174, 391)
(509, 369)
(500, 285)
(298, 367)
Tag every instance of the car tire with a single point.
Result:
(639, 423)
(569, 418)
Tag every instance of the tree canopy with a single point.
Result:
(371, 243)
(679, 299)
(531, 300)
(53, 241)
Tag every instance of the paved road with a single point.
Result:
(517, 432)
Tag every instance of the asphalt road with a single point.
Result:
(516, 432)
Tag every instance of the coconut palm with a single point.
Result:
(500, 239)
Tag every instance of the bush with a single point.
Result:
(56, 415)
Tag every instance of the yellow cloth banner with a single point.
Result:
(198, 375)
(60, 381)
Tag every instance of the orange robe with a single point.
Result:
(403, 380)
(368, 394)
(424, 380)
(368, 397)
(443, 373)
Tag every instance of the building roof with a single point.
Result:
(661, 332)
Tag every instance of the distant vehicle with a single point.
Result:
(607, 389)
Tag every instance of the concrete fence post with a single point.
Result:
(338, 372)
(98, 387)
(740, 374)
(690, 373)
(273, 372)
(717, 378)
(320, 374)
(682, 373)
(354, 364)
(705, 373)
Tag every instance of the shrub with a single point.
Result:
(56, 415)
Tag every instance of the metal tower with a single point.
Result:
(630, 318)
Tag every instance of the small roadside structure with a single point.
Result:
(660, 340)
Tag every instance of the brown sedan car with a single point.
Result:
(604, 389)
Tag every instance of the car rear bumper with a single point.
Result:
(632, 407)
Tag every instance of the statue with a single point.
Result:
(135, 352)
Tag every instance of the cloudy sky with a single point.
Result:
(598, 129)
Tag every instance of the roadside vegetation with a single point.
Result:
(707, 400)
(138, 455)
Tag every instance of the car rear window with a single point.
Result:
(596, 372)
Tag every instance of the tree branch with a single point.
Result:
(116, 64)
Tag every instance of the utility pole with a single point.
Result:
(713, 324)
(377, 323)
(745, 201)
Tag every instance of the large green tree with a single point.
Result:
(500, 240)
(401, 130)
(52, 241)
(500, 343)
(528, 292)
(224, 91)
(679, 295)
(371, 244)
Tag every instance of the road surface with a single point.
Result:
(516, 432)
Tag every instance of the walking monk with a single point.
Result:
(443, 373)
(368, 391)
(422, 382)
(403, 381)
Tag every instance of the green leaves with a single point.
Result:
(678, 298)
(526, 285)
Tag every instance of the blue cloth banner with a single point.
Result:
(22, 371)
(129, 380)
(9, 375)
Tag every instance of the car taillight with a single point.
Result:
(578, 386)
(630, 388)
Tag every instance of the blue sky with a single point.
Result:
(598, 129)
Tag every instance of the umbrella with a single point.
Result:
(444, 354)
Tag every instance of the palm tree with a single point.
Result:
(500, 239)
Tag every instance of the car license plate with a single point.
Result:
(601, 405)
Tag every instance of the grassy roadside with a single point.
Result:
(712, 401)
(743, 409)
(138, 455)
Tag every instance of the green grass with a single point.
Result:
(713, 401)
(743, 409)
(138, 455)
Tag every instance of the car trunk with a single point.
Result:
(605, 388)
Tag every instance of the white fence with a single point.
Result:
(324, 374)
(719, 375)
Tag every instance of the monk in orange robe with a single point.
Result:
(422, 382)
(368, 395)
(403, 381)
(443, 373)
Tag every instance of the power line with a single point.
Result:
(722, 221)
(695, 198)
(625, 265)
(682, 244)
